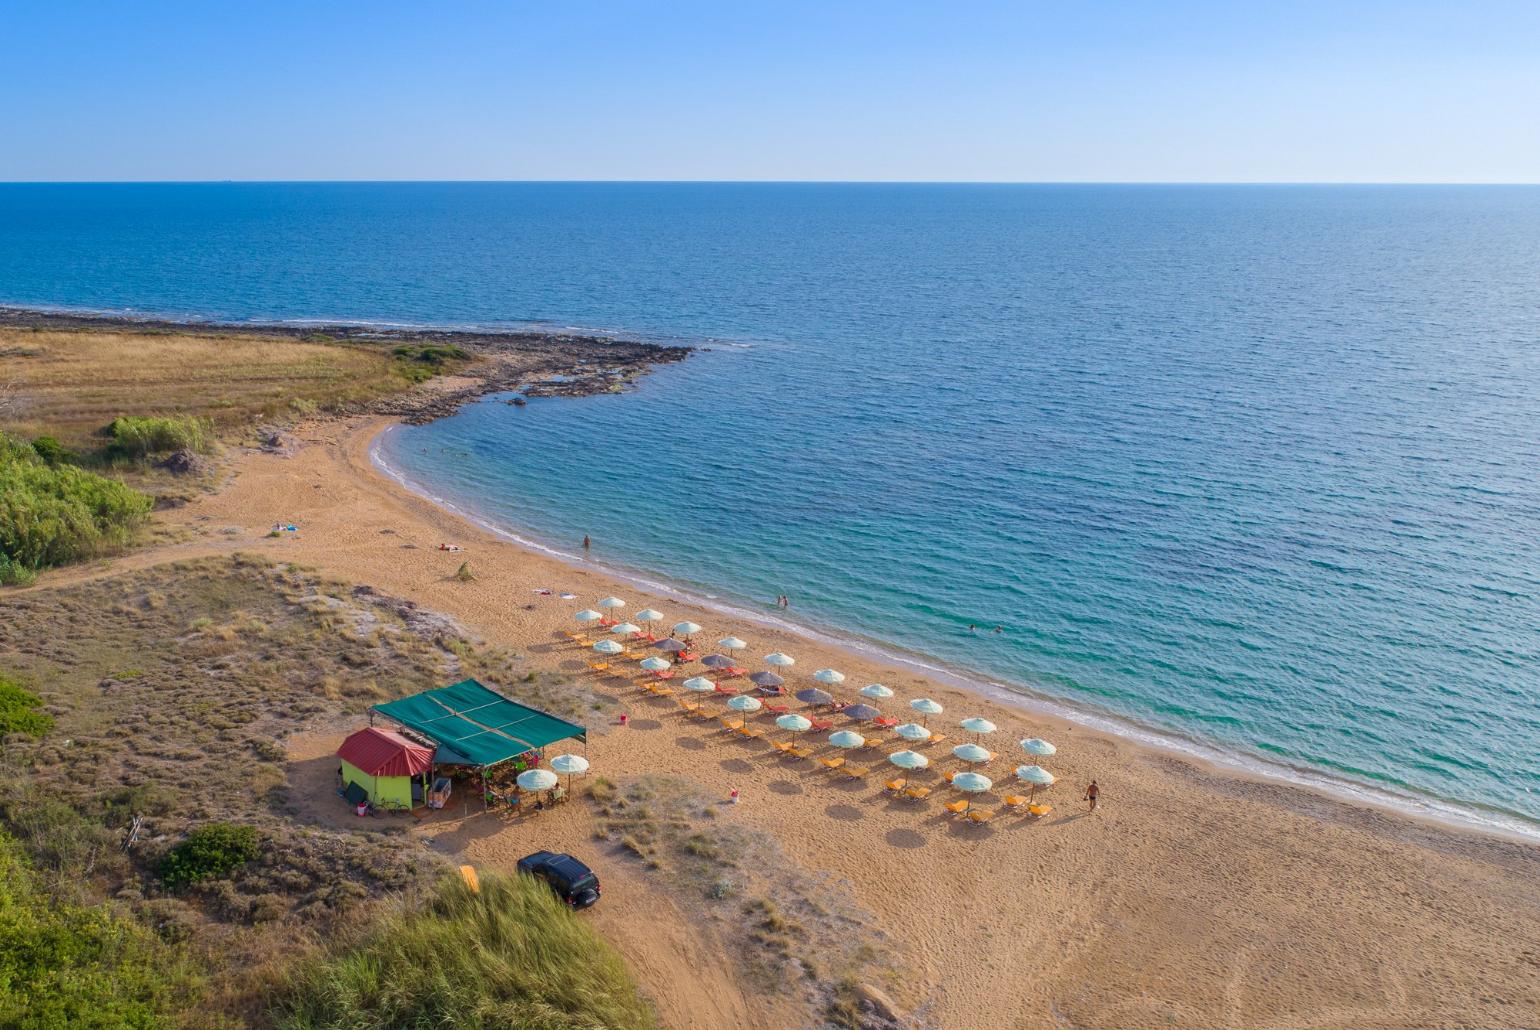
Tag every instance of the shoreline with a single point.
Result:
(1437, 812)
(1155, 905)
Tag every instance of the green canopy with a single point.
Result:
(474, 725)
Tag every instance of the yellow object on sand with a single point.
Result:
(957, 807)
(468, 874)
(1040, 810)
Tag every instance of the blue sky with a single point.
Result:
(1073, 90)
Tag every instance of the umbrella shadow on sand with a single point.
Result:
(904, 838)
(844, 813)
(691, 743)
(646, 724)
(736, 765)
(788, 788)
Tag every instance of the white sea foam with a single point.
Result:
(1019, 696)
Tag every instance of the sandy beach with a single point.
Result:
(1192, 897)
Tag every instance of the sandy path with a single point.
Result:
(1193, 897)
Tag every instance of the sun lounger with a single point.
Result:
(732, 671)
(957, 807)
(831, 763)
(732, 724)
(751, 732)
(661, 691)
(777, 709)
(935, 738)
(979, 815)
(821, 725)
(917, 793)
(686, 706)
(1015, 800)
(949, 775)
(896, 786)
(801, 752)
(1038, 811)
(784, 746)
(599, 666)
(887, 722)
(855, 772)
(725, 690)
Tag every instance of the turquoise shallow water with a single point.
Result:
(1253, 466)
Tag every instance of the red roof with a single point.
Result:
(383, 753)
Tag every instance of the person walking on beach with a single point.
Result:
(1091, 794)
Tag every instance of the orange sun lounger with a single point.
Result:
(979, 815)
(831, 763)
(957, 807)
(918, 793)
(896, 786)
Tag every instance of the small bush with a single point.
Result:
(17, 711)
(52, 515)
(464, 573)
(53, 452)
(211, 851)
(141, 436)
(430, 354)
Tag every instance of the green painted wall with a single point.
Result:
(381, 788)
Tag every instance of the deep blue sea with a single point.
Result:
(1254, 467)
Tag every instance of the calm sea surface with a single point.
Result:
(1257, 467)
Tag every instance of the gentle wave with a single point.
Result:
(1019, 696)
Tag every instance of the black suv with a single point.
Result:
(572, 881)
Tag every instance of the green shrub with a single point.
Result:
(67, 965)
(52, 515)
(510, 956)
(17, 711)
(135, 436)
(53, 452)
(210, 852)
(430, 354)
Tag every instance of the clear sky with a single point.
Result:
(1031, 90)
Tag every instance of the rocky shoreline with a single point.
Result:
(533, 363)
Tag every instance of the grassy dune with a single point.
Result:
(510, 957)
(70, 384)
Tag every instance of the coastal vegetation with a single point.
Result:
(53, 512)
(508, 955)
(165, 832)
(70, 383)
(138, 437)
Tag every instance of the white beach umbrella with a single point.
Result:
(830, 677)
(1038, 746)
(912, 731)
(625, 628)
(978, 724)
(1036, 776)
(588, 615)
(608, 647)
(569, 766)
(611, 604)
(909, 759)
(846, 739)
(687, 629)
(656, 664)
(785, 661)
(794, 723)
(648, 615)
(699, 684)
(926, 707)
(744, 703)
(972, 783)
(732, 644)
(972, 753)
(876, 691)
(536, 779)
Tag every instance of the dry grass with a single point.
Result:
(173, 690)
(71, 383)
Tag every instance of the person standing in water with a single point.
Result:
(586, 541)
(1091, 794)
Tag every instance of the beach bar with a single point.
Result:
(472, 725)
(383, 764)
